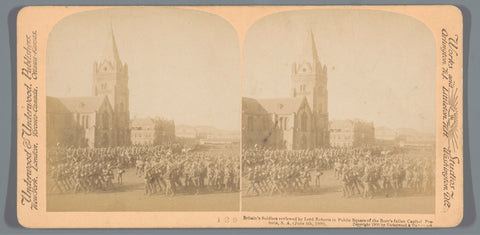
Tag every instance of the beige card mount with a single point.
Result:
(239, 116)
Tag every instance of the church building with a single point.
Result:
(299, 121)
(99, 120)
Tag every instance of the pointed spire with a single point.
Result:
(308, 53)
(110, 52)
(314, 47)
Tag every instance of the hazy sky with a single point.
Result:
(183, 64)
(381, 65)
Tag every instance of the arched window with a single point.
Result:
(304, 143)
(105, 140)
(105, 121)
(304, 122)
(303, 87)
(86, 122)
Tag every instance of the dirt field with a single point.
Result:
(130, 197)
(329, 199)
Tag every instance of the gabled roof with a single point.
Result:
(54, 105)
(282, 105)
(87, 104)
(142, 122)
(341, 124)
(251, 106)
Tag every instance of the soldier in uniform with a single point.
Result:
(318, 174)
(252, 178)
(120, 173)
(170, 185)
(346, 183)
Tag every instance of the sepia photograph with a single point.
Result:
(343, 116)
(338, 113)
(143, 112)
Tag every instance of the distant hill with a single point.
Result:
(407, 134)
(205, 132)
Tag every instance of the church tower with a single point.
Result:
(110, 78)
(309, 79)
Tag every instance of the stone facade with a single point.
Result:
(100, 120)
(309, 79)
(297, 122)
(349, 133)
(277, 123)
(110, 78)
(79, 121)
(152, 131)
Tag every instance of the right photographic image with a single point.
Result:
(338, 113)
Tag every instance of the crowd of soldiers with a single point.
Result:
(164, 169)
(85, 170)
(175, 168)
(366, 172)
(282, 171)
(388, 175)
(189, 172)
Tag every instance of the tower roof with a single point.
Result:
(110, 52)
(308, 50)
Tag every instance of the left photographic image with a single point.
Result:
(143, 112)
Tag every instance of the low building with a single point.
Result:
(80, 122)
(351, 133)
(152, 131)
(142, 131)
